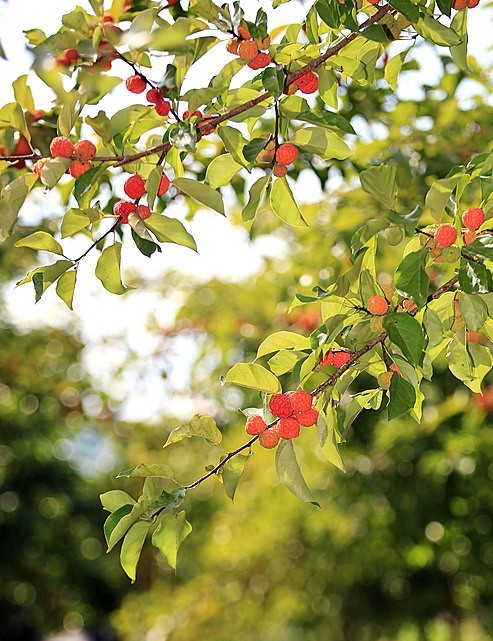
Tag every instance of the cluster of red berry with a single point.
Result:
(250, 49)
(81, 153)
(135, 188)
(293, 409)
(138, 84)
(472, 219)
(285, 155)
(336, 357)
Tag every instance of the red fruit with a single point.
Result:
(38, 166)
(162, 107)
(244, 33)
(306, 79)
(300, 400)
(308, 417)
(154, 95)
(269, 438)
(22, 148)
(286, 153)
(472, 3)
(247, 50)
(473, 218)
(136, 84)
(232, 46)
(409, 305)
(328, 359)
(446, 235)
(135, 187)
(377, 305)
(143, 212)
(61, 147)
(459, 5)
(68, 57)
(394, 368)
(123, 209)
(260, 61)
(280, 406)
(279, 170)
(469, 236)
(255, 425)
(288, 428)
(172, 2)
(310, 87)
(340, 357)
(373, 1)
(79, 167)
(163, 185)
(84, 150)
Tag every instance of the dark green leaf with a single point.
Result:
(146, 247)
(411, 279)
(474, 278)
(169, 499)
(273, 80)
(381, 183)
(253, 148)
(330, 12)
(402, 397)
(406, 333)
(114, 518)
(408, 8)
(289, 472)
(482, 247)
(376, 33)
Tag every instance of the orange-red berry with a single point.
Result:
(154, 95)
(459, 5)
(473, 218)
(84, 150)
(136, 84)
(269, 439)
(328, 359)
(409, 305)
(68, 57)
(232, 46)
(255, 424)
(164, 184)
(163, 107)
(308, 82)
(247, 50)
(394, 368)
(79, 167)
(286, 153)
(135, 187)
(260, 61)
(308, 417)
(61, 147)
(143, 212)
(377, 305)
(300, 400)
(340, 357)
(280, 406)
(472, 3)
(288, 428)
(469, 236)
(279, 170)
(123, 209)
(446, 235)
(244, 33)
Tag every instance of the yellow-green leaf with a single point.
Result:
(41, 241)
(108, 269)
(253, 376)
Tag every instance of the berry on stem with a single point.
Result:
(84, 150)
(164, 184)
(307, 418)
(163, 107)
(300, 400)
(136, 84)
(244, 33)
(247, 50)
(286, 153)
(38, 167)
(154, 95)
(123, 209)
(446, 235)
(288, 428)
(255, 424)
(473, 218)
(279, 170)
(79, 167)
(377, 305)
(340, 357)
(61, 147)
(143, 212)
(269, 439)
(135, 187)
(260, 61)
(280, 406)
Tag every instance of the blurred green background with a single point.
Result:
(402, 548)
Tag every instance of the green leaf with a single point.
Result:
(393, 69)
(171, 531)
(233, 142)
(289, 472)
(280, 340)
(273, 79)
(41, 241)
(53, 170)
(203, 426)
(114, 518)
(482, 247)
(408, 8)
(22, 93)
(142, 471)
(12, 198)
(201, 193)
(330, 12)
(253, 148)
(326, 118)
(65, 287)
(436, 32)
(327, 439)
(402, 397)
(253, 376)
(381, 182)
(75, 220)
(146, 247)
(459, 52)
(83, 182)
(256, 195)
(221, 170)
(132, 547)
(169, 499)
(284, 204)
(232, 471)
(108, 269)
(474, 278)
(115, 499)
(406, 332)
(473, 310)
(376, 33)
(439, 194)
(411, 279)
(321, 142)
(170, 230)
